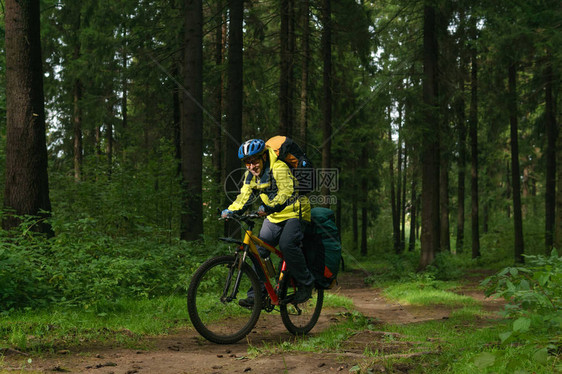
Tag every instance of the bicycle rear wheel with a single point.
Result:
(300, 319)
(212, 302)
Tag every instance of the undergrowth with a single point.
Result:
(86, 269)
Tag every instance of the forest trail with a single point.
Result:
(186, 352)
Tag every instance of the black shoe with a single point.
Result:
(247, 302)
(303, 293)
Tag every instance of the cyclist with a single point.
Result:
(286, 211)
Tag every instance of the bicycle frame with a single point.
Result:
(251, 242)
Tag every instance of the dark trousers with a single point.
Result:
(288, 235)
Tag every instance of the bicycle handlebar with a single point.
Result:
(242, 217)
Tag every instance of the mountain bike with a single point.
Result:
(216, 286)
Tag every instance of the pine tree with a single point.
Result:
(26, 190)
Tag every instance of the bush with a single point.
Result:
(534, 295)
(84, 268)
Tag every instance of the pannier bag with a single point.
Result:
(322, 247)
(301, 167)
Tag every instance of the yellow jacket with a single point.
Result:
(275, 188)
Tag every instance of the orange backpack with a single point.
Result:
(289, 152)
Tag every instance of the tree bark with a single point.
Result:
(176, 117)
(109, 146)
(354, 220)
(399, 172)
(124, 98)
(326, 43)
(286, 80)
(413, 211)
(551, 134)
(305, 50)
(77, 101)
(461, 166)
(445, 239)
(393, 205)
(235, 93)
(364, 207)
(558, 210)
(220, 34)
(26, 190)
(473, 130)
(515, 173)
(192, 123)
(109, 133)
(430, 144)
(403, 207)
(77, 141)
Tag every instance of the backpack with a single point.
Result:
(289, 152)
(322, 247)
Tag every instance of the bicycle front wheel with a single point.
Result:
(212, 300)
(299, 319)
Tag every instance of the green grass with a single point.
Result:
(125, 321)
(425, 294)
(332, 300)
(467, 344)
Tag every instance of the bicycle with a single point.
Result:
(212, 296)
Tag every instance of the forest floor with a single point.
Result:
(185, 351)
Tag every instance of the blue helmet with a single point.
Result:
(250, 148)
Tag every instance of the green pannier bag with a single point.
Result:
(322, 247)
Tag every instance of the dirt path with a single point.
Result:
(186, 352)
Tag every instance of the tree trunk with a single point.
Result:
(445, 239)
(413, 211)
(97, 141)
(326, 43)
(176, 116)
(109, 145)
(515, 174)
(192, 123)
(393, 205)
(473, 130)
(77, 101)
(220, 33)
(508, 188)
(461, 176)
(558, 210)
(109, 133)
(354, 221)
(124, 104)
(26, 191)
(235, 93)
(403, 207)
(364, 207)
(286, 81)
(399, 170)
(77, 119)
(430, 143)
(305, 50)
(551, 134)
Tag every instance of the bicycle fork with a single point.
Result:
(236, 267)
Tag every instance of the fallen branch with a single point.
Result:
(11, 352)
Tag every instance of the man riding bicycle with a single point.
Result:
(286, 211)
